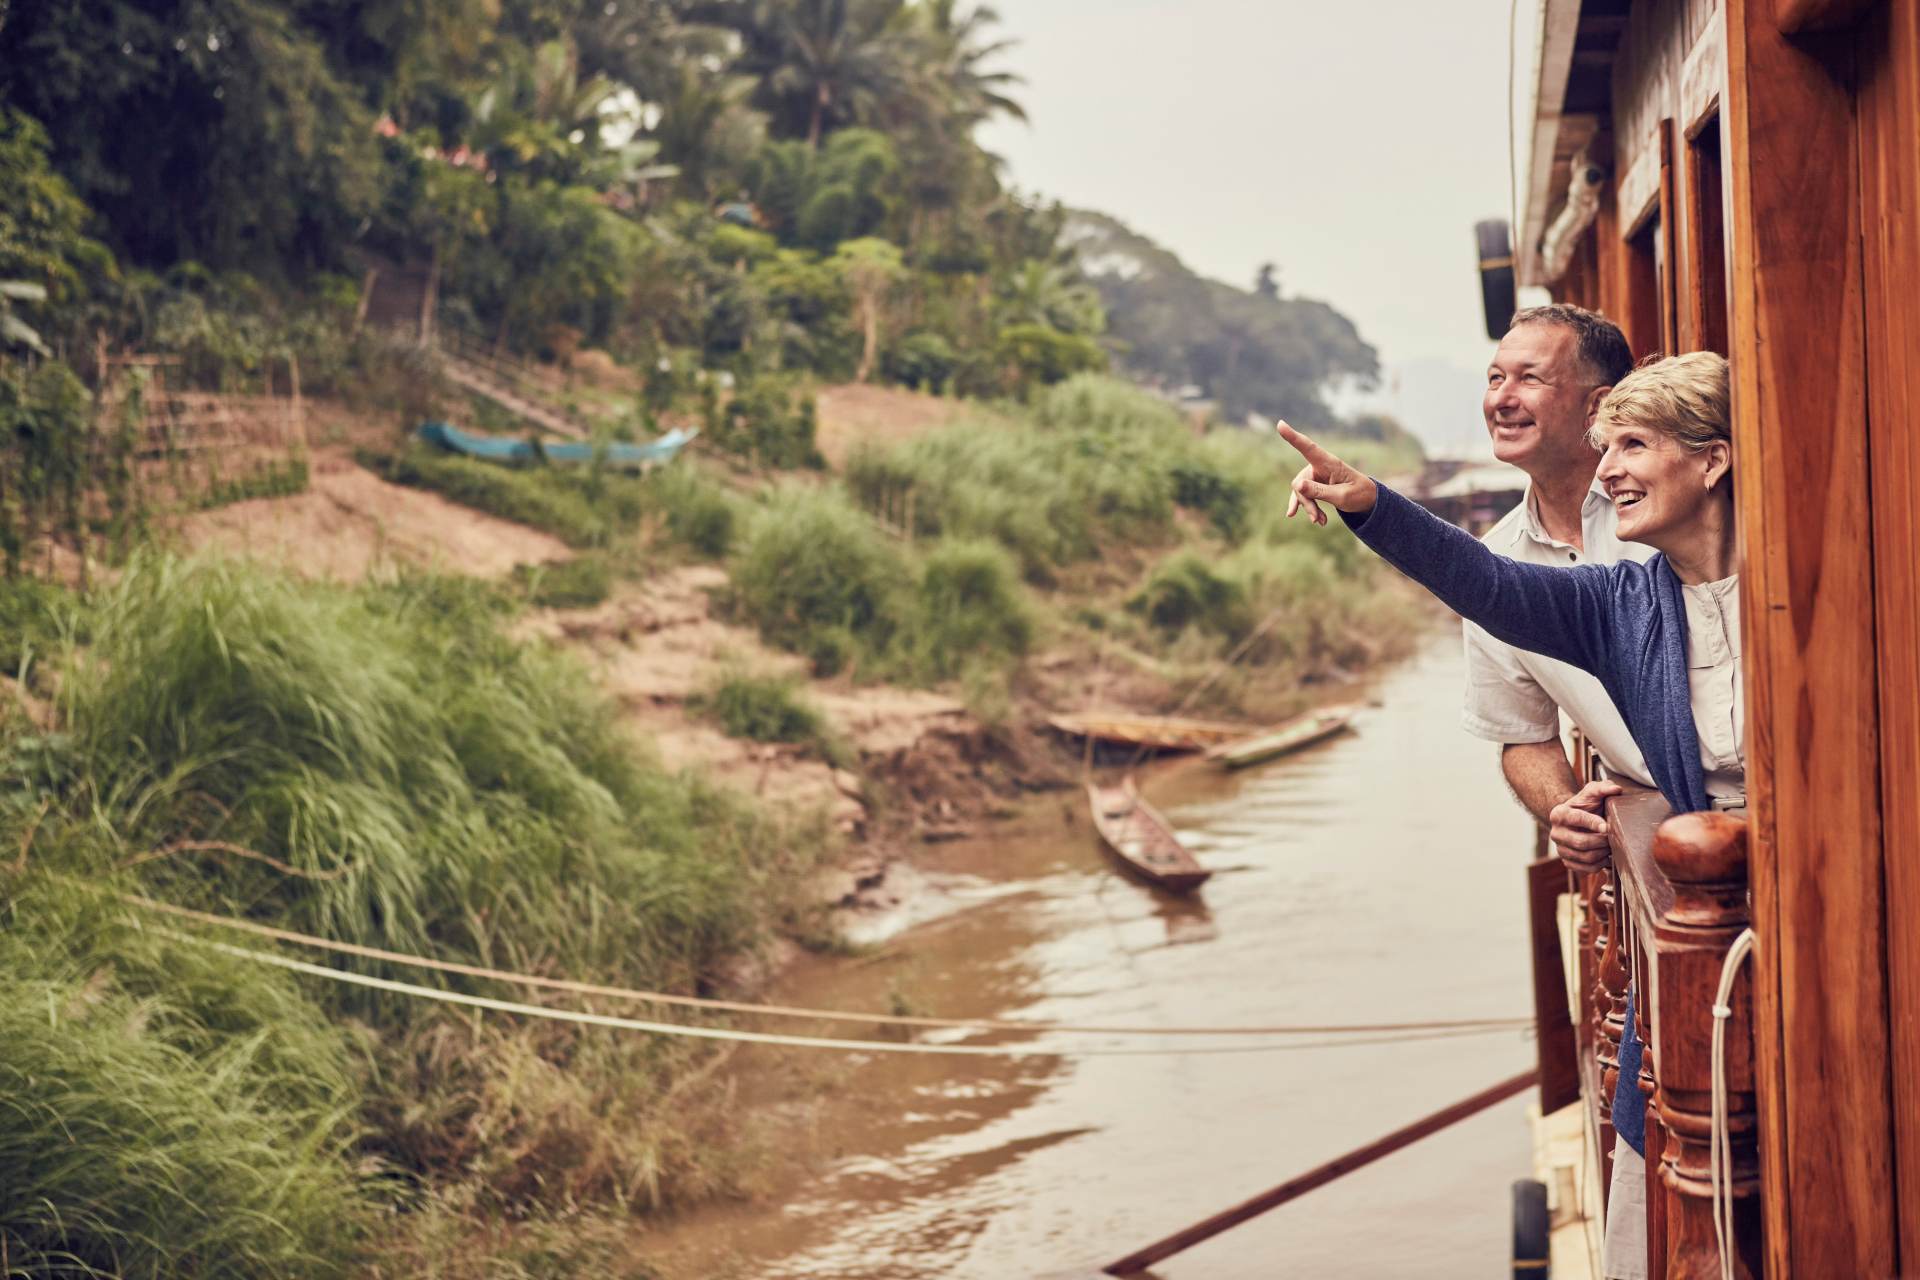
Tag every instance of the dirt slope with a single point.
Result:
(854, 414)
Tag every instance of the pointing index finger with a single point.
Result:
(1308, 449)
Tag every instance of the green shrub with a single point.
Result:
(816, 577)
(1183, 591)
(522, 496)
(1038, 354)
(971, 609)
(700, 514)
(763, 709)
(768, 421)
(1204, 488)
(921, 360)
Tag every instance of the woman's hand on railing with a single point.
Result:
(1579, 828)
(1326, 479)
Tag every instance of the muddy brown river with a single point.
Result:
(1375, 878)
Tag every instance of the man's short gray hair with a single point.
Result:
(1602, 347)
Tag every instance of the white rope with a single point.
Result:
(766, 1037)
(792, 1011)
(1720, 1152)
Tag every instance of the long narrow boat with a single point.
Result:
(515, 451)
(1142, 838)
(1163, 733)
(1301, 731)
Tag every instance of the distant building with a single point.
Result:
(1472, 495)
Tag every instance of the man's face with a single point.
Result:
(1538, 402)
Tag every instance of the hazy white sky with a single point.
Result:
(1354, 144)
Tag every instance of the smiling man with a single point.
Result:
(1544, 385)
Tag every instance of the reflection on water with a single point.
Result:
(1377, 877)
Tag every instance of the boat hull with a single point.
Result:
(1161, 733)
(1291, 737)
(1141, 838)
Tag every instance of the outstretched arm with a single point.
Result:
(1562, 613)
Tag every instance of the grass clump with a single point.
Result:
(142, 1137)
(763, 709)
(579, 583)
(537, 497)
(1051, 498)
(771, 708)
(817, 578)
(1183, 591)
(700, 515)
(970, 609)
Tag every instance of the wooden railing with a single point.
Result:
(1656, 924)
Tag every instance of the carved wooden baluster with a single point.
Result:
(1704, 857)
(1654, 1138)
(1610, 995)
(1588, 950)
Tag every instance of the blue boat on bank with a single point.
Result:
(513, 451)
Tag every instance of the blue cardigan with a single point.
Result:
(1626, 623)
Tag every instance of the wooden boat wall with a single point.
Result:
(1758, 194)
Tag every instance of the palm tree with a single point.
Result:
(1045, 293)
(957, 52)
(829, 61)
(705, 126)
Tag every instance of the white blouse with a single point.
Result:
(1713, 679)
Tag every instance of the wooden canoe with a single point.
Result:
(1164, 733)
(1302, 731)
(1141, 837)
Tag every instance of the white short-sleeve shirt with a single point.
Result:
(1517, 696)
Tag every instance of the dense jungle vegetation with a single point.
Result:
(731, 202)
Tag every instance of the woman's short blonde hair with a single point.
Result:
(1682, 397)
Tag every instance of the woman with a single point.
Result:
(1663, 637)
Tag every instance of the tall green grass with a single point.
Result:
(447, 791)
(970, 610)
(816, 577)
(166, 1112)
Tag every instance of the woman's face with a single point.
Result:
(1659, 487)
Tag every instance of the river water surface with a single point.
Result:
(1376, 878)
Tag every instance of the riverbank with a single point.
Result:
(402, 718)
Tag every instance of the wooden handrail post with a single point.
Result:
(1704, 858)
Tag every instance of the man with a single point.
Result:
(1544, 386)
